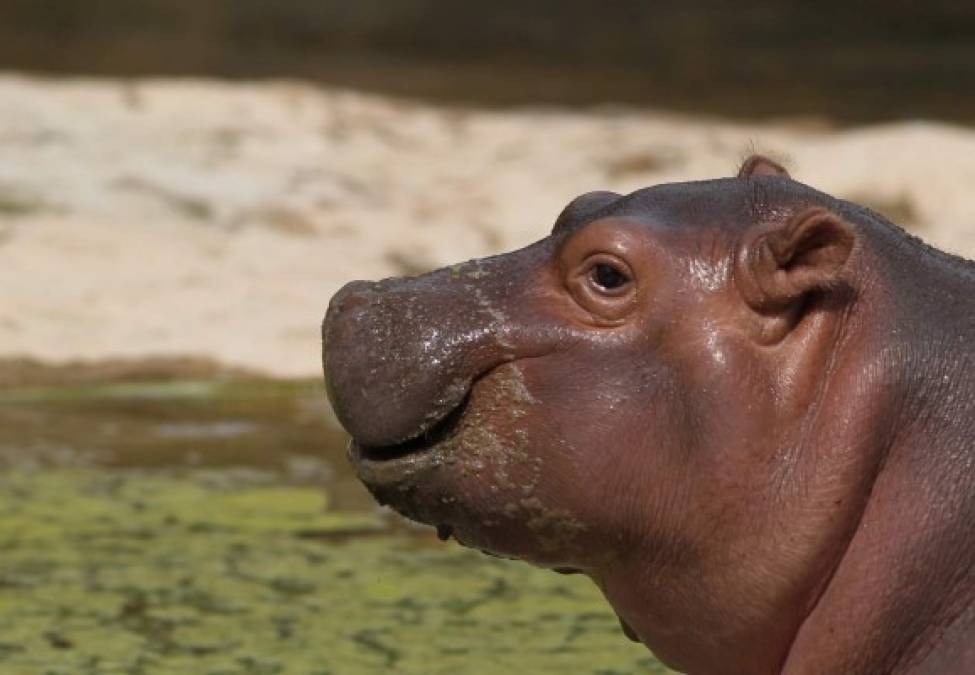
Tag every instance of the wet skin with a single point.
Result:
(743, 407)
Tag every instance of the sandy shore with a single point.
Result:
(214, 220)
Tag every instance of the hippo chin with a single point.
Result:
(744, 408)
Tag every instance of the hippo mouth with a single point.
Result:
(419, 477)
(397, 470)
(392, 472)
(411, 448)
(471, 475)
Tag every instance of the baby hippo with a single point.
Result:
(744, 408)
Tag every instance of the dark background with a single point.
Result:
(846, 60)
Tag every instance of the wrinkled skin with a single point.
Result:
(742, 407)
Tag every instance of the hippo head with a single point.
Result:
(624, 398)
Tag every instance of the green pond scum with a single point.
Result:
(214, 528)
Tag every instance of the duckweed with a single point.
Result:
(183, 567)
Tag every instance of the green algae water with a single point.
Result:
(215, 528)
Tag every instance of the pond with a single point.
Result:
(214, 527)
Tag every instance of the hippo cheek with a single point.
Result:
(486, 481)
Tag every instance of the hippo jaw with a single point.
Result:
(473, 475)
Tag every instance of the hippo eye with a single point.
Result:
(597, 272)
(608, 277)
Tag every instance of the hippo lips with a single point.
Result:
(385, 465)
(420, 443)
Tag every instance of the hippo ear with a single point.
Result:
(777, 266)
(759, 165)
(583, 208)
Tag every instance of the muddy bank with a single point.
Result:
(146, 219)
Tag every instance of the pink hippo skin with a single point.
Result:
(744, 408)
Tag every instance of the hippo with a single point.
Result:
(744, 408)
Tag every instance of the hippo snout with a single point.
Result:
(378, 368)
(401, 354)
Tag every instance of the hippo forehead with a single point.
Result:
(728, 203)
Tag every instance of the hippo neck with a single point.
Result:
(905, 580)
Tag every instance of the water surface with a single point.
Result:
(213, 527)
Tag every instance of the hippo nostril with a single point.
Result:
(351, 302)
(352, 295)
